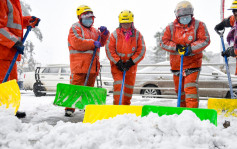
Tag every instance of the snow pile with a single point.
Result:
(122, 132)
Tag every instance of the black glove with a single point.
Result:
(188, 50)
(229, 52)
(180, 48)
(20, 47)
(120, 65)
(128, 64)
(222, 25)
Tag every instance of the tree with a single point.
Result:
(28, 62)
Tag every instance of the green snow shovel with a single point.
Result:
(202, 114)
(76, 96)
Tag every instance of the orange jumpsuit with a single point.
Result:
(12, 24)
(81, 47)
(196, 35)
(118, 48)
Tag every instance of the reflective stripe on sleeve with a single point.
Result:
(74, 29)
(108, 52)
(142, 51)
(10, 22)
(166, 46)
(8, 35)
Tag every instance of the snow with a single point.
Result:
(46, 127)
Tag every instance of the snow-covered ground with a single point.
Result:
(45, 127)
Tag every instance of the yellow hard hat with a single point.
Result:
(83, 8)
(126, 16)
(183, 8)
(234, 5)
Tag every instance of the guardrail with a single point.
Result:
(105, 80)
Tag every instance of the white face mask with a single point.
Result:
(185, 19)
(87, 21)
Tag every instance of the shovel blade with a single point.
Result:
(99, 112)
(202, 114)
(10, 95)
(75, 96)
(228, 107)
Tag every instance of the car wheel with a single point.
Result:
(150, 91)
(38, 88)
(234, 93)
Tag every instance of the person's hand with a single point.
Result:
(120, 65)
(180, 48)
(103, 30)
(188, 50)
(219, 27)
(97, 44)
(128, 64)
(34, 21)
(229, 52)
(19, 47)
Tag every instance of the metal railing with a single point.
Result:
(105, 80)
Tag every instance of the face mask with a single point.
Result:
(87, 22)
(185, 19)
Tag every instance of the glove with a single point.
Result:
(34, 21)
(180, 48)
(188, 50)
(219, 27)
(229, 52)
(97, 44)
(120, 65)
(128, 64)
(104, 30)
(19, 47)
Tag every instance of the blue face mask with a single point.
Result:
(185, 19)
(87, 21)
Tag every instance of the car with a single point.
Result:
(28, 80)
(47, 78)
(158, 81)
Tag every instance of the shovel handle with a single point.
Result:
(16, 55)
(180, 80)
(121, 92)
(89, 70)
(227, 69)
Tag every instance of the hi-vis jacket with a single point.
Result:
(81, 47)
(118, 48)
(12, 24)
(194, 34)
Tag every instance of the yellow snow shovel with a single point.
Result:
(10, 95)
(226, 106)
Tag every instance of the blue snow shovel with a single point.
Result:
(180, 78)
(227, 106)
(121, 92)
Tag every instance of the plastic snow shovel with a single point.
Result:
(202, 114)
(226, 106)
(76, 96)
(9, 91)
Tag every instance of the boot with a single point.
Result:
(20, 114)
(69, 112)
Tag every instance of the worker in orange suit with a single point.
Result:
(230, 22)
(82, 40)
(125, 48)
(186, 34)
(12, 24)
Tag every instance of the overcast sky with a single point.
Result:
(149, 17)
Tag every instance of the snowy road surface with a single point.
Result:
(45, 127)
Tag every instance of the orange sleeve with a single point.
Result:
(232, 20)
(141, 50)
(166, 42)
(202, 39)
(77, 41)
(110, 49)
(8, 39)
